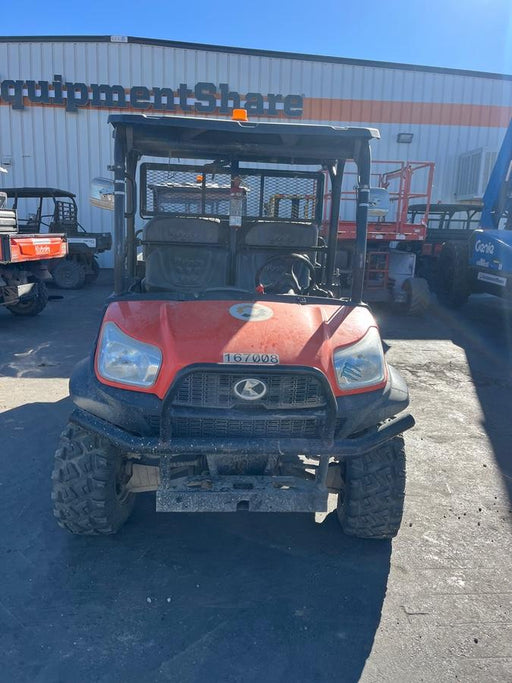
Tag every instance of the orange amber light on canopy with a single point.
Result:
(239, 115)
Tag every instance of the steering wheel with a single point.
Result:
(288, 276)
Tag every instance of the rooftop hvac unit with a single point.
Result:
(473, 171)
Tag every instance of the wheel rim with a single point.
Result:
(67, 275)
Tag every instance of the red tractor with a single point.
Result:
(229, 375)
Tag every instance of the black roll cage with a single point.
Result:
(232, 142)
(40, 193)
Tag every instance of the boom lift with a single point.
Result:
(482, 261)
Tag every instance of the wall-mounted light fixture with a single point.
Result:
(405, 137)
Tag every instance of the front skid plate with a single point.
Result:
(232, 493)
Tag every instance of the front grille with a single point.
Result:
(222, 427)
(203, 389)
(153, 422)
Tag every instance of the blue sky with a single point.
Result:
(464, 34)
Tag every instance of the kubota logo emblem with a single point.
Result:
(250, 389)
(251, 312)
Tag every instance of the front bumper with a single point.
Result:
(144, 428)
(154, 448)
(127, 419)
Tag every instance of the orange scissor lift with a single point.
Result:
(392, 237)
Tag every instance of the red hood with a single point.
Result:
(189, 332)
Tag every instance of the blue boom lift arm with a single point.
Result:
(497, 199)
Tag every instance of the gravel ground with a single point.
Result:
(268, 597)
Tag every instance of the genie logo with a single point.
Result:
(484, 247)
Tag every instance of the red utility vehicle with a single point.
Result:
(24, 264)
(48, 210)
(231, 376)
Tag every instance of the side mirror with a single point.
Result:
(101, 193)
(380, 202)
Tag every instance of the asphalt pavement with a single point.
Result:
(213, 597)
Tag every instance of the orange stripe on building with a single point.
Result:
(372, 112)
(428, 113)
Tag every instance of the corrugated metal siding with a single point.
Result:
(51, 147)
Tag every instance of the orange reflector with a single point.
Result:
(199, 178)
(239, 115)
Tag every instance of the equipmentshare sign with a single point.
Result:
(203, 98)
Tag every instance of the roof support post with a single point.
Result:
(131, 202)
(336, 176)
(119, 209)
(363, 160)
(235, 170)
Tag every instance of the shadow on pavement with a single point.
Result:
(176, 597)
(50, 344)
(483, 329)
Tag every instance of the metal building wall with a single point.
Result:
(449, 112)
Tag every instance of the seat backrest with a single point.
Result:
(8, 222)
(186, 254)
(65, 217)
(283, 238)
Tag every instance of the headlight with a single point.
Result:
(126, 360)
(361, 364)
